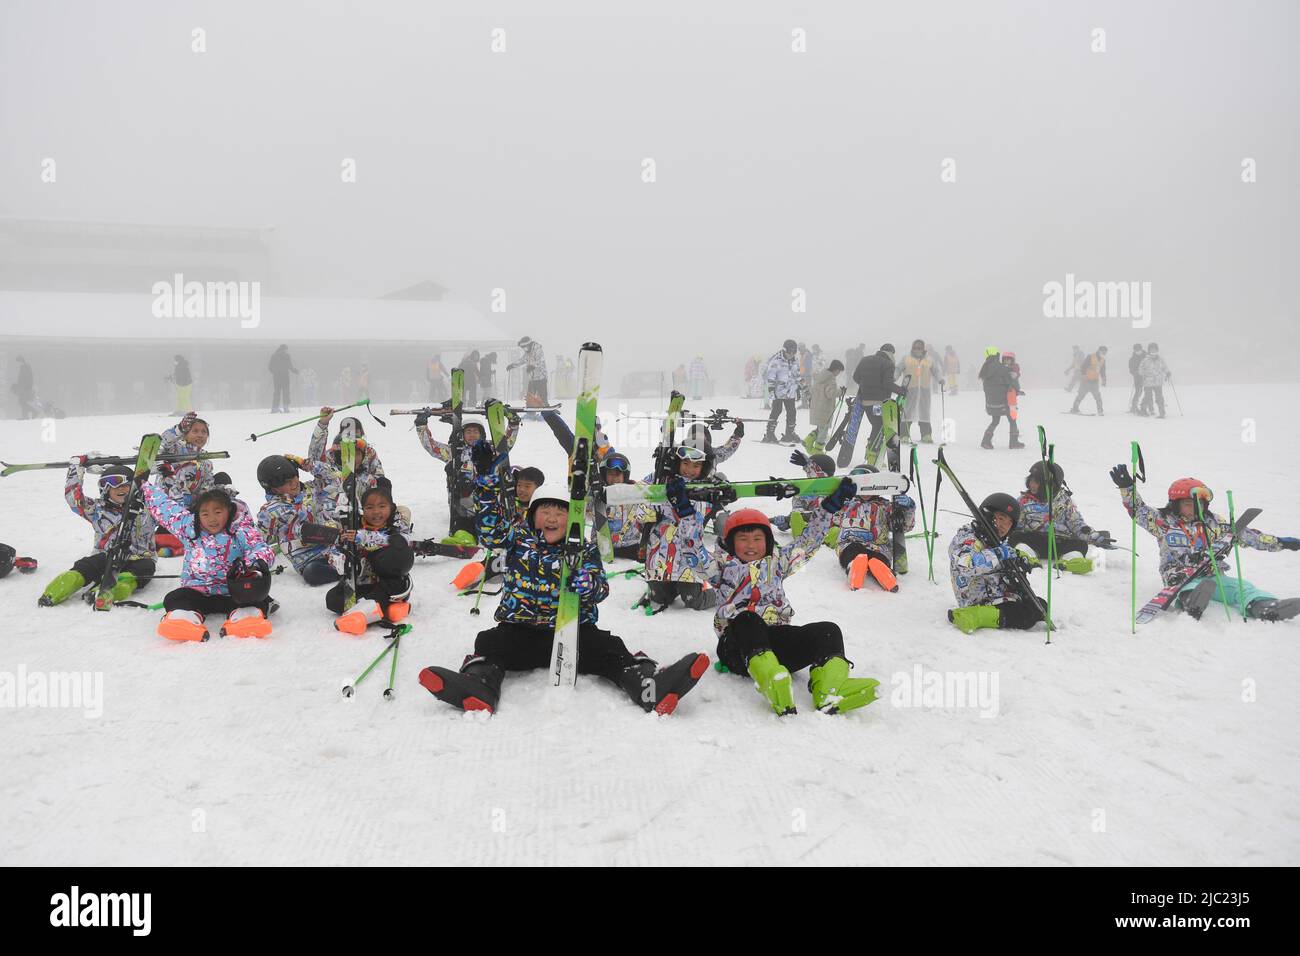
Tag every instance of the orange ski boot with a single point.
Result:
(246, 622)
(183, 626)
(363, 614)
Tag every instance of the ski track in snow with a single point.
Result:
(1150, 730)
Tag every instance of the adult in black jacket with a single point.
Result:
(280, 365)
(1135, 369)
(183, 379)
(875, 378)
(25, 389)
(998, 381)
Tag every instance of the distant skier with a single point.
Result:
(951, 369)
(1185, 541)
(24, 387)
(825, 400)
(469, 381)
(987, 595)
(782, 377)
(1074, 371)
(1135, 370)
(875, 380)
(1094, 372)
(998, 382)
(917, 368)
(183, 379)
(437, 376)
(699, 377)
(486, 373)
(281, 365)
(533, 363)
(1154, 375)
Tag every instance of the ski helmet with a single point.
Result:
(790, 345)
(7, 555)
(473, 421)
(615, 461)
(991, 350)
(742, 520)
(1008, 356)
(1038, 471)
(552, 493)
(1153, 348)
(273, 471)
(1137, 346)
(825, 462)
(524, 341)
(864, 470)
(114, 475)
(247, 586)
(888, 347)
(1001, 503)
(1190, 488)
(357, 430)
(918, 344)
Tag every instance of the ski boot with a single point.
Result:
(61, 588)
(1016, 443)
(183, 626)
(835, 692)
(971, 619)
(246, 622)
(987, 442)
(864, 565)
(364, 613)
(769, 437)
(661, 690)
(476, 686)
(773, 682)
(790, 438)
(926, 437)
(1271, 609)
(1075, 564)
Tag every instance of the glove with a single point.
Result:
(1290, 544)
(740, 429)
(841, 496)
(298, 460)
(1003, 552)
(798, 459)
(422, 419)
(675, 488)
(482, 455)
(78, 461)
(1119, 474)
(186, 422)
(904, 501)
(1101, 538)
(583, 583)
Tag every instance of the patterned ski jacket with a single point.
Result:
(1154, 371)
(531, 586)
(105, 517)
(280, 520)
(397, 535)
(1184, 544)
(759, 586)
(208, 557)
(675, 548)
(977, 576)
(369, 468)
(465, 466)
(183, 480)
(1068, 520)
(868, 522)
(783, 375)
(625, 521)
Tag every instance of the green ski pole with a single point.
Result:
(1218, 578)
(1139, 474)
(365, 402)
(1236, 553)
(392, 672)
(487, 561)
(350, 689)
(914, 475)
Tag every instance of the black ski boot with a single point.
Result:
(790, 438)
(1016, 443)
(476, 686)
(1274, 610)
(662, 690)
(1195, 601)
(770, 437)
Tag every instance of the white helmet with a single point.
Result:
(552, 491)
(468, 420)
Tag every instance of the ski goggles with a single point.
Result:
(616, 463)
(113, 481)
(690, 453)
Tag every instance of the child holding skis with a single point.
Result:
(369, 468)
(872, 540)
(295, 512)
(1187, 538)
(460, 474)
(381, 551)
(104, 516)
(752, 621)
(183, 480)
(1072, 533)
(987, 593)
(677, 562)
(522, 638)
(226, 569)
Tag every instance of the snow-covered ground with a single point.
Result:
(1177, 746)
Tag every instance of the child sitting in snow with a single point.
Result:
(381, 548)
(872, 541)
(987, 593)
(1073, 536)
(295, 512)
(369, 467)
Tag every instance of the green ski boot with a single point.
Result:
(1078, 565)
(971, 619)
(61, 588)
(125, 586)
(835, 692)
(773, 682)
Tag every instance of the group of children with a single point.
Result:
(366, 557)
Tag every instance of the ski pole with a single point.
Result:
(1236, 553)
(392, 672)
(1174, 389)
(350, 689)
(925, 524)
(1218, 578)
(487, 561)
(365, 402)
(1139, 474)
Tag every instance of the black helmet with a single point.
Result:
(1038, 470)
(825, 462)
(275, 470)
(887, 347)
(1153, 347)
(246, 585)
(114, 475)
(1000, 503)
(790, 345)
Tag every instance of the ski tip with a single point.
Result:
(591, 347)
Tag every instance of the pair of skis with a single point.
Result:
(119, 550)
(883, 484)
(112, 460)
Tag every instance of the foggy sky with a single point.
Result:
(775, 170)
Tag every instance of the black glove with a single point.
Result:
(421, 419)
(675, 488)
(841, 496)
(1119, 474)
(482, 455)
(798, 459)
(740, 429)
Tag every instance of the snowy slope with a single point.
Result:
(1105, 748)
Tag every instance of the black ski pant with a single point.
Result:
(796, 647)
(777, 405)
(319, 571)
(1137, 393)
(92, 568)
(873, 413)
(1086, 388)
(853, 550)
(526, 647)
(1037, 540)
(1017, 615)
(693, 594)
(1154, 393)
(995, 419)
(280, 392)
(537, 386)
(190, 599)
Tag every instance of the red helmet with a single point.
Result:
(1190, 488)
(746, 518)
